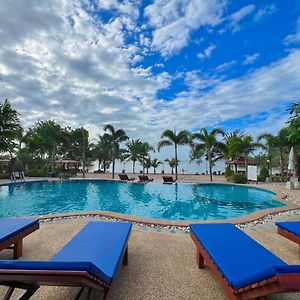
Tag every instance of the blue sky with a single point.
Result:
(147, 66)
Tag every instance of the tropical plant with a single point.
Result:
(155, 163)
(232, 144)
(209, 146)
(9, 127)
(294, 123)
(116, 136)
(172, 163)
(146, 148)
(147, 164)
(134, 152)
(103, 152)
(279, 142)
(170, 138)
(47, 137)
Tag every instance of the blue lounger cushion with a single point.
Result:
(293, 227)
(240, 259)
(12, 226)
(96, 249)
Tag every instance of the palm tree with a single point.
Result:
(232, 142)
(103, 152)
(280, 142)
(209, 146)
(170, 138)
(134, 152)
(146, 148)
(147, 163)
(172, 163)
(155, 163)
(9, 127)
(116, 137)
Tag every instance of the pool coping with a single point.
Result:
(280, 196)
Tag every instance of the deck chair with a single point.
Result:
(13, 231)
(168, 179)
(244, 268)
(145, 178)
(124, 177)
(290, 230)
(90, 260)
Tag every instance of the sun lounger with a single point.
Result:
(145, 178)
(12, 232)
(90, 260)
(244, 268)
(125, 177)
(290, 230)
(168, 179)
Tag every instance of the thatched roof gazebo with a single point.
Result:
(241, 161)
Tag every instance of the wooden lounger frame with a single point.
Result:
(16, 242)
(277, 284)
(31, 280)
(289, 235)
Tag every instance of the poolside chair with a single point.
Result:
(145, 178)
(12, 232)
(124, 177)
(290, 230)
(243, 267)
(90, 260)
(168, 179)
(17, 175)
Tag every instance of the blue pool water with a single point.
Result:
(152, 200)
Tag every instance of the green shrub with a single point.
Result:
(37, 173)
(64, 176)
(239, 178)
(278, 178)
(228, 173)
(263, 174)
(4, 176)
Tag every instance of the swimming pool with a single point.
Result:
(152, 200)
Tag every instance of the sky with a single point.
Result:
(147, 66)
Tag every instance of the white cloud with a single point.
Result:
(239, 15)
(294, 38)
(207, 52)
(225, 66)
(269, 9)
(173, 21)
(250, 59)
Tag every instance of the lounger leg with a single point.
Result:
(18, 246)
(200, 260)
(9, 293)
(27, 295)
(125, 257)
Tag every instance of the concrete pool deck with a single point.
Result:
(161, 265)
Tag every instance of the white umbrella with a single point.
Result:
(291, 165)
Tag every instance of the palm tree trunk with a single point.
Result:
(133, 166)
(52, 162)
(104, 166)
(210, 167)
(172, 170)
(246, 166)
(147, 170)
(176, 171)
(113, 168)
(281, 163)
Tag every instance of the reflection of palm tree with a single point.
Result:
(116, 136)
(170, 138)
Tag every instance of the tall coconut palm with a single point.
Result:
(170, 138)
(208, 145)
(9, 127)
(134, 152)
(172, 163)
(116, 137)
(155, 163)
